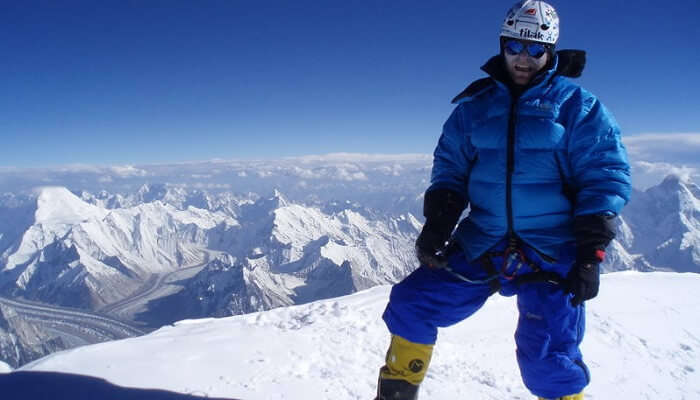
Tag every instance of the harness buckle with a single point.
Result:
(512, 256)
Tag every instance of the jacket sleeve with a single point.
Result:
(598, 160)
(453, 157)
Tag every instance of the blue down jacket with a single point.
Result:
(528, 166)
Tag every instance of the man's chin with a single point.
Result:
(521, 80)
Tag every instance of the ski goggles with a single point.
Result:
(514, 47)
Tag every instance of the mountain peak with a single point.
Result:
(672, 187)
(674, 180)
(677, 180)
(57, 204)
(279, 198)
(677, 185)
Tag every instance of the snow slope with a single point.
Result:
(643, 342)
(4, 368)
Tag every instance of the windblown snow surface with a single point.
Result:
(643, 342)
(4, 367)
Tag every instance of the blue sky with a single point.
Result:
(120, 82)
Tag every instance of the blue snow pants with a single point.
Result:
(549, 329)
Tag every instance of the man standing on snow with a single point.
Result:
(540, 164)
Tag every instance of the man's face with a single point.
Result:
(522, 67)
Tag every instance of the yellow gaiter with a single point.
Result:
(406, 360)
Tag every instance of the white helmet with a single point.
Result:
(532, 20)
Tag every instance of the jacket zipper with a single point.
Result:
(510, 168)
(514, 241)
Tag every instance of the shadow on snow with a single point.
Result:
(35, 385)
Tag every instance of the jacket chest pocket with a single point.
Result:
(539, 130)
(539, 138)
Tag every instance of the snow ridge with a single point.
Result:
(640, 343)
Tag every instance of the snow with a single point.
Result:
(643, 341)
(57, 205)
(339, 254)
(4, 368)
(147, 238)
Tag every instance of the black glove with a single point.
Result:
(583, 282)
(593, 234)
(442, 209)
(429, 249)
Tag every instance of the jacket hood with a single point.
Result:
(569, 63)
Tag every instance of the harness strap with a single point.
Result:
(461, 277)
(537, 276)
(541, 276)
(487, 263)
(491, 279)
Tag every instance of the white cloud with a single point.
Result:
(393, 169)
(646, 174)
(126, 171)
(304, 173)
(362, 157)
(665, 169)
(688, 137)
(348, 175)
(654, 156)
(79, 168)
(676, 148)
(225, 186)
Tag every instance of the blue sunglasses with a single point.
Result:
(515, 47)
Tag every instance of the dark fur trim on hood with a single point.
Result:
(570, 64)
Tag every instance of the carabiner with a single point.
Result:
(511, 256)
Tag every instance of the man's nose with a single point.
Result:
(522, 56)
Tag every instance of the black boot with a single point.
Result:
(396, 389)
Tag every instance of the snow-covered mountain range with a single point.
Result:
(81, 255)
(258, 252)
(254, 254)
(641, 343)
(158, 253)
(663, 225)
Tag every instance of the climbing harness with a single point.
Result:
(513, 259)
